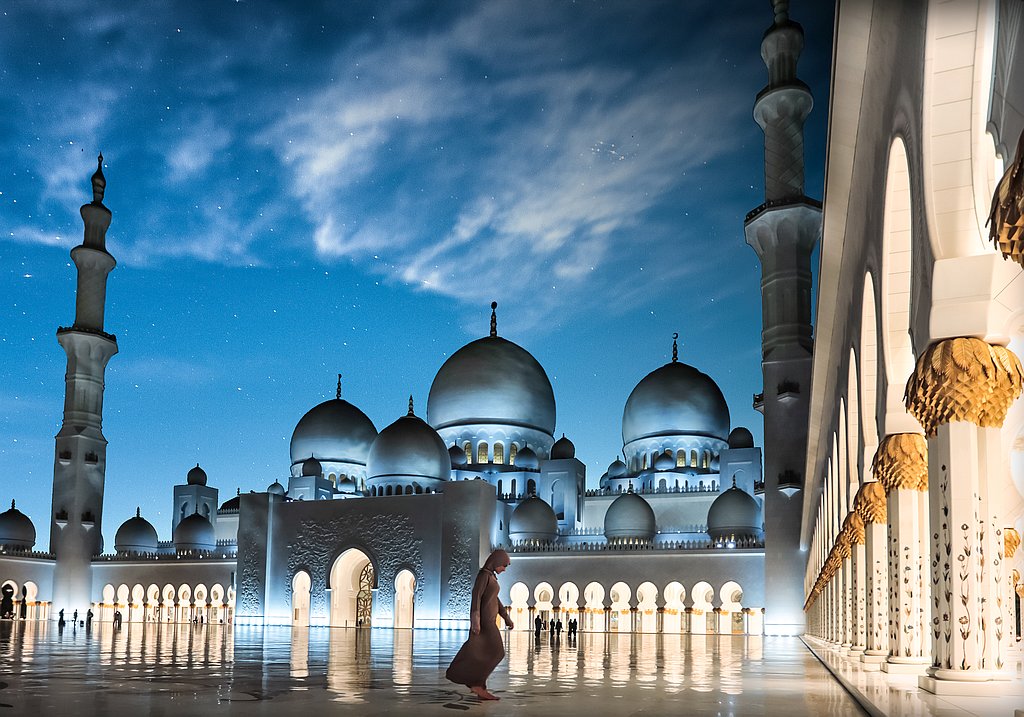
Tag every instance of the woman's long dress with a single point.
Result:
(482, 652)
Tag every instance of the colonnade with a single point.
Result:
(911, 572)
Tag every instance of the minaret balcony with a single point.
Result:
(86, 330)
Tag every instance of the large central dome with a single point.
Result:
(672, 400)
(492, 381)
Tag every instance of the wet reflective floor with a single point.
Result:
(147, 669)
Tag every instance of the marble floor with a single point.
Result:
(193, 670)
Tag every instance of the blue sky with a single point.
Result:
(299, 191)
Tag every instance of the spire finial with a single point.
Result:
(337, 394)
(781, 8)
(12, 503)
(494, 318)
(675, 347)
(138, 512)
(411, 412)
(99, 182)
(734, 479)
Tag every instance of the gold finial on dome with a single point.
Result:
(337, 393)
(494, 318)
(675, 347)
(138, 512)
(411, 411)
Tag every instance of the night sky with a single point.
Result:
(305, 189)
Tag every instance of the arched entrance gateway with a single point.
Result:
(405, 599)
(300, 598)
(352, 583)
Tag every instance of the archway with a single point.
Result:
(217, 604)
(543, 606)
(619, 618)
(405, 599)
(107, 606)
(703, 621)
(731, 618)
(153, 604)
(519, 596)
(301, 584)
(351, 589)
(168, 603)
(569, 603)
(9, 595)
(672, 618)
(137, 609)
(647, 607)
(593, 608)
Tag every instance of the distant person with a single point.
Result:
(60, 618)
(485, 648)
(74, 618)
(117, 619)
(538, 625)
(558, 628)
(88, 620)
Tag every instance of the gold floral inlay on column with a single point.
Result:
(869, 503)
(963, 379)
(1011, 541)
(901, 461)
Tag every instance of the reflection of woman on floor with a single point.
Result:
(484, 649)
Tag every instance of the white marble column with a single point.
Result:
(900, 464)
(859, 593)
(960, 391)
(871, 506)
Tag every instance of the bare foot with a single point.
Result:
(483, 694)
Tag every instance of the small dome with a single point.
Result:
(409, 448)
(741, 438)
(664, 462)
(334, 431)
(675, 399)
(527, 458)
(232, 503)
(457, 456)
(16, 529)
(276, 488)
(616, 469)
(196, 476)
(563, 449)
(734, 514)
(629, 516)
(311, 467)
(194, 533)
(533, 519)
(136, 535)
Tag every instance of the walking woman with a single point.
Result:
(484, 649)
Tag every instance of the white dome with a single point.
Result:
(409, 448)
(196, 476)
(527, 458)
(16, 529)
(533, 519)
(136, 535)
(457, 456)
(276, 488)
(629, 516)
(563, 449)
(194, 533)
(734, 514)
(616, 469)
(741, 438)
(334, 431)
(664, 462)
(492, 381)
(675, 399)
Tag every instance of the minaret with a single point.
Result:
(783, 232)
(81, 451)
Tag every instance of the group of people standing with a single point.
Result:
(554, 628)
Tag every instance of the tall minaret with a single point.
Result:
(783, 232)
(81, 452)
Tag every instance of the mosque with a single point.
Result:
(387, 528)
(882, 519)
